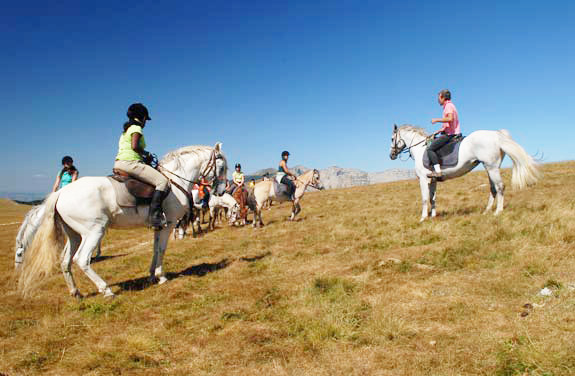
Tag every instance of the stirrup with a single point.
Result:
(158, 226)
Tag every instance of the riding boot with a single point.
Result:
(156, 214)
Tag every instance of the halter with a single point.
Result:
(405, 150)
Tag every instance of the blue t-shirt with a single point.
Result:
(66, 177)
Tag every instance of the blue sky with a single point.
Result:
(325, 80)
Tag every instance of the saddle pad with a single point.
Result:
(123, 196)
(280, 189)
(448, 155)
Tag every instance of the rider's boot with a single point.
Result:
(436, 174)
(156, 214)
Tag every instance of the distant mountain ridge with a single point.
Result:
(338, 177)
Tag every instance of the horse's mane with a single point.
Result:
(412, 128)
(192, 149)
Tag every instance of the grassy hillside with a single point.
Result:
(356, 287)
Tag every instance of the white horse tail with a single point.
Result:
(43, 254)
(525, 170)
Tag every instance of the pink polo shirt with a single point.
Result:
(451, 127)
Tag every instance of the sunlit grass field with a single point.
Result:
(357, 286)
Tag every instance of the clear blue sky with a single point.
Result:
(325, 80)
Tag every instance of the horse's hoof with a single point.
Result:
(162, 280)
(108, 294)
(76, 294)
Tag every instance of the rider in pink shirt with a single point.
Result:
(449, 130)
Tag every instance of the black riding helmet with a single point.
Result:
(67, 159)
(138, 111)
(285, 152)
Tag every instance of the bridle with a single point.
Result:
(398, 150)
(211, 166)
(314, 182)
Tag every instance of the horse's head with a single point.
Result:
(315, 182)
(19, 257)
(397, 143)
(221, 169)
(234, 211)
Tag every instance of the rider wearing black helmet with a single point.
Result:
(284, 173)
(131, 158)
(238, 178)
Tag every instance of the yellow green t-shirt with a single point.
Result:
(238, 176)
(125, 151)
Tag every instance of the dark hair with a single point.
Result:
(285, 152)
(446, 94)
(238, 165)
(67, 159)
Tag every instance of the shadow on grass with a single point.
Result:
(103, 258)
(200, 270)
(255, 258)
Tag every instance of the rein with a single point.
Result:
(406, 150)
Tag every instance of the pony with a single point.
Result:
(81, 213)
(264, 191)
(484, 146)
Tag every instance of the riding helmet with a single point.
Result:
(138, 111)
(67, 159)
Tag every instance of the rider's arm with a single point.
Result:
(136, 143)
(286, 170)
(445, 120)
(56, 184)
(75, 175)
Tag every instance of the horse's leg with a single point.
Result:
(432, 192)
(74, 241)
(424, 185)
(492, 194)
(160, 244)
(497, 183)
(89, 243)
(99, 250)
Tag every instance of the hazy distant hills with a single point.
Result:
(337, 177)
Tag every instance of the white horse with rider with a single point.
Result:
(484, 146)
(81, 212)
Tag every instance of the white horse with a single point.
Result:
(82, 211)
(214, 205)
(264, 191)
(28, 228)
(487, 147)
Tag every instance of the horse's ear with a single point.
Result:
(218, 147)
(394, 127)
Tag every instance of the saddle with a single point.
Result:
(280, 189)
(130, 192)
(448, 154)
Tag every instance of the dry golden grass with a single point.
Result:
(320, 296)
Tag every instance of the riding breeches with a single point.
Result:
(437, 144)
(143, 172)
(290, 184)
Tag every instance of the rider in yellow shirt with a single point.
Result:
(132, 158)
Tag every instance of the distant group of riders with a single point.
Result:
(133, 159)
